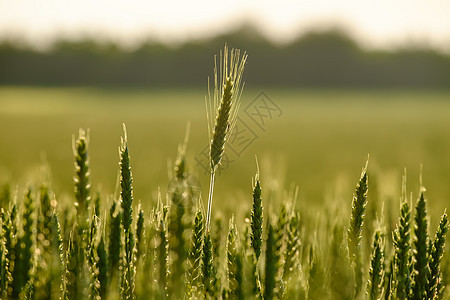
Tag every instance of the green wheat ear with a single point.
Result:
(436, 253)
(139, 234)
(70, 290)
(126, 183)
(208, 271)
(163, 255)
(81, 179)
(234, 263)
(355, 231)
(376, 271)
(9, 230)
(24, 248)
(195, 256)
(402, 248)
(271, 263)
(94, 282)
(420, 253)
(224, 103)
(222, 108)
(257, 218)
(292, 245)
(180, 169)
(102, 265)
(114, 242)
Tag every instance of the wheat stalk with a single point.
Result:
(280, 247)
(114, 242)
(180, 163)
(195, 255)
(207, 266)
(81, 180)
(139, 244)
(102, 266)
(163, 256)
(292, 245)
(234, 263)
(8, 237)
(223, 105)
(256, 218)
(355, 231)
(24, 246)
(271, 263)
(420, 253)
(376, 271)
(402, 247)
(176, 240)
(436, 253)
(94, 285)
(71, 271)
(126, 183)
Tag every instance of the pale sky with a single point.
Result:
(376, 23)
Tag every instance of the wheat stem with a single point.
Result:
(210, 199)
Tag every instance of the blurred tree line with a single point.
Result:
(316, 59)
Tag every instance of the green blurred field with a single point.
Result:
(320, 142)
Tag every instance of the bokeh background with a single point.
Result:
(327, 83)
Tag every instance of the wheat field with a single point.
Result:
(119, 212)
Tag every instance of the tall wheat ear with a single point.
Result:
(354, 236)
(221, 109)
